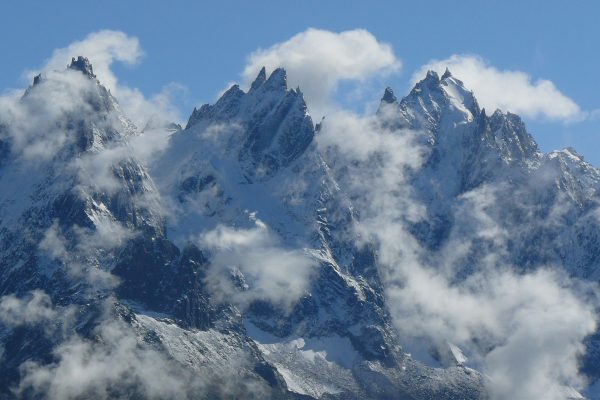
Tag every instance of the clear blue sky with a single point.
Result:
(203, 45)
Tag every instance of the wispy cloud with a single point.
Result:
(32, 309)
(251, 264)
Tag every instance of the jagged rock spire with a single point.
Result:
(260, 79)
(388, 96)
(37, 79)
(432, 76)
(277, 79)
(83, 65)
(447, 74)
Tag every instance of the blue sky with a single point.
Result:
(204, 45)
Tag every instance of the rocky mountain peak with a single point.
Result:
(431, 77)
(446, 74)
(388, 96)
(83, 65)
(252, 153)
(260, 79)
(277, 80)
(272, 124)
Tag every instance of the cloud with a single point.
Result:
(115, 364)
(34, 308)
(111, 367)
(107, 235)
(319, 60)
(513, 91)
(525, 331)
(39, 124)
(372, 160)
(87, 255)
(52, 114)
(251, 264)
(115, 360)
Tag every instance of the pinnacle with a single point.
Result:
(83, 65)
(260, 79)
(447, 74)
(388, 96)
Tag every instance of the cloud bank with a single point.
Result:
(102, 48)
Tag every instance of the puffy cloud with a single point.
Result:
(50, 116)
(114, 364)
(251, 264)
(114, 360)
(318, 60)
(525, 331)
(513, 91)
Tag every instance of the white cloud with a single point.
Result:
(111, 366)
(108, 234)
(37, 125)
(513, 91)
(251, 264)
(318, 60)
(33, 309)
(84, 257)
(42, 123)
(114, 364)
(114, 361)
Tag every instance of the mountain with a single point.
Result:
(341, 317)
(468, 150)
(484, 173)
(229, 266)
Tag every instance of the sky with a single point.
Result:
(195, 49)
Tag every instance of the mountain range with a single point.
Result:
(417, 253)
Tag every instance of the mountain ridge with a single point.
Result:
(249, 167)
